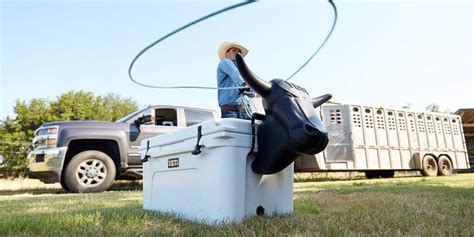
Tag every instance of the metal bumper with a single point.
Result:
(46, 164)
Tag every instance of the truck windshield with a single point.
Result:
(129, 116)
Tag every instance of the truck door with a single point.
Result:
(166, 121)
(194, 116)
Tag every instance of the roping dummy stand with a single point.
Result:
(206, 172)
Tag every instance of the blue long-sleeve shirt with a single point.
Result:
(228, 76)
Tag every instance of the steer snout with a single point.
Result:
(310, 140)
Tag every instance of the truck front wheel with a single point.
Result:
(90, 171)
(63, 184)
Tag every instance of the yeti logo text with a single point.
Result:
(173, 163)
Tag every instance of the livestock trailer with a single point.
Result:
(380, 141)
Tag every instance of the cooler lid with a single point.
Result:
(229, 125)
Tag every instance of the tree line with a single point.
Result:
(17, 132)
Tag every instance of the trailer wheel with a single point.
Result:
(430, 167)
(445, 167)
(90, 171)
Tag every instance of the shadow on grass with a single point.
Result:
(397, 187)
(129, 219)
(132, 185)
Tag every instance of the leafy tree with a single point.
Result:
(406, 106)
(17, 133)
(111, 107)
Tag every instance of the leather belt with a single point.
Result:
(232, 107)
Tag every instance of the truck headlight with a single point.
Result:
(53, 130)
(46, 137)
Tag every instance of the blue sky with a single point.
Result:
(388, 53)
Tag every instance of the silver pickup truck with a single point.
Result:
(86, 156)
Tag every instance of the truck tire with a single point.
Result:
(89, 172)
(63, 184)
(430, 167)
(445, 167)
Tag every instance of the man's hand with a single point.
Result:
(244, 89)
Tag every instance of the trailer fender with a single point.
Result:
(417, 161)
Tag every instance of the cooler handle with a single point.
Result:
(197, 147)
(145, 158)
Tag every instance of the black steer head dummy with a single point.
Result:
(290, 128)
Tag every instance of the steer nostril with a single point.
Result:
(310, 129)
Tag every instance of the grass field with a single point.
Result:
(399, 206)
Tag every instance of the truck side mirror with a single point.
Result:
(147, 118)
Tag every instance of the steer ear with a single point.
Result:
(259, 85)
(320, 100)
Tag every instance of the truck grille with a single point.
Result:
(39, 158)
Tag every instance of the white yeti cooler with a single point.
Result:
(217, 185)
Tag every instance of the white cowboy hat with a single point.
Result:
(226, 45)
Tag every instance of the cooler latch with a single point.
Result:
(197, 148)
(255, 116)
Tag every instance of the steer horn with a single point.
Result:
(320, 100)
(257, 84)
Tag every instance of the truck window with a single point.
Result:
(166, 117)
(197, 116)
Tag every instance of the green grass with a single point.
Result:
(400, 206)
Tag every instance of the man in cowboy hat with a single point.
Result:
(228, 75)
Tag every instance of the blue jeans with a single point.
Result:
(234, 114)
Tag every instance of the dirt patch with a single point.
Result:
(26, 184)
